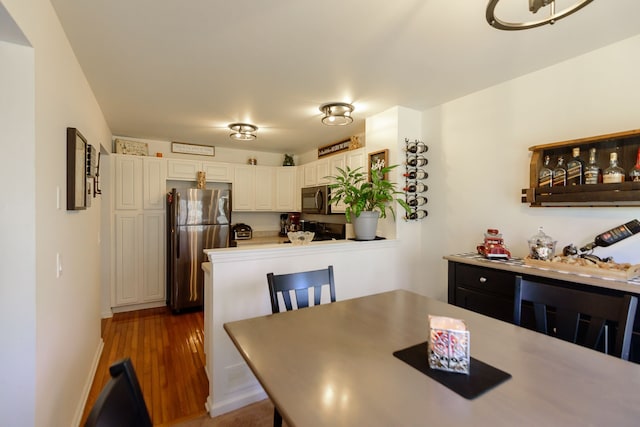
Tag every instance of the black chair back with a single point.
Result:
(600, 322)
(301, 283)
(120, 402)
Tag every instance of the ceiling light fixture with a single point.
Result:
(336, 113)
(534, 6)
(243, 131)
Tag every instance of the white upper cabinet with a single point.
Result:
(218, 172)
(356, 159)
(244, 187)
(287, 189)
(322, 167)
(264, 188)
(183, 169)
(154, 177)
(128, 182)
(187, 170)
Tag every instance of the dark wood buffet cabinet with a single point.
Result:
(487, 287)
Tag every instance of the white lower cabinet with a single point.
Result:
(128, 262)
(139, 258)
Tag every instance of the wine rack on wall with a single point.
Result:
(415, 176)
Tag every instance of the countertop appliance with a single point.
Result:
(242, 232)
(196, 220)
(315, 200)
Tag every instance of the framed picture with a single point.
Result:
(76, 170)
(378, 160)
(186, 148)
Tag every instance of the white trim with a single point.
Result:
(77, 418)
(255, 394)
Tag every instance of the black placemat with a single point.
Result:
(482, 377)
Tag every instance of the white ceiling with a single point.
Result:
(177, 70)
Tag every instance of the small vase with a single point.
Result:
(365, 225)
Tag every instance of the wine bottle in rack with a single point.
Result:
(416, 174)
(417, 201)
(419, 214)
(417, 147)
(417, 161)
(415, 187)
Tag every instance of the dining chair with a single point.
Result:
(301, 283)
(580, 317)
(120, 402)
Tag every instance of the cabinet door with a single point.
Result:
(183, 169)
(217, 172)
(153, 283)
(243, 188)
(264, 189)
(491, 305)
(310, 174)
(335, 162)
(154, 183)
(356, 159)
(322, 171)
(128, 183)
(128, 265)
(286, 189)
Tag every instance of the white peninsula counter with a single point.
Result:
(236, 288)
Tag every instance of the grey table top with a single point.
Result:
(333, 365)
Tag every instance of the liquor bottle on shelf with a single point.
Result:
(634, 173)
(417, 147)
(575, 169)
(417, 161)
(416, 174)
(419, 214)
(417, 201)
(560, 173)
(614, 173)
(415, 187)
(592, 173)
(544, 177)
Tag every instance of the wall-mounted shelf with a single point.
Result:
(626, 144)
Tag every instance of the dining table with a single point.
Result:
(338, 364)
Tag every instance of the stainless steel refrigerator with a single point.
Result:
(196, 220)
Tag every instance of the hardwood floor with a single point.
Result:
(167, 352)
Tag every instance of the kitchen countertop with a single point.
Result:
(517, 265)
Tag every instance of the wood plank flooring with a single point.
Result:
(167, 352)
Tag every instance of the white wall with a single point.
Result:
(17, 227)
(67, 309)
(484, 160)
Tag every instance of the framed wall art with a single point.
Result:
(378, 160)
(76, 170)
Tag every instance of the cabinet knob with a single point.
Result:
(483, 279)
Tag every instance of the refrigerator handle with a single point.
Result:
(176, 226)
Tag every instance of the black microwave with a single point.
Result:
(315, 200)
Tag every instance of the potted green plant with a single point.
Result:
(365, 201)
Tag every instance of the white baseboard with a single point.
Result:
(142, 306)
(255, 394)
(77, 419)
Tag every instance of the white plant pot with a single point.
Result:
(365, 225)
